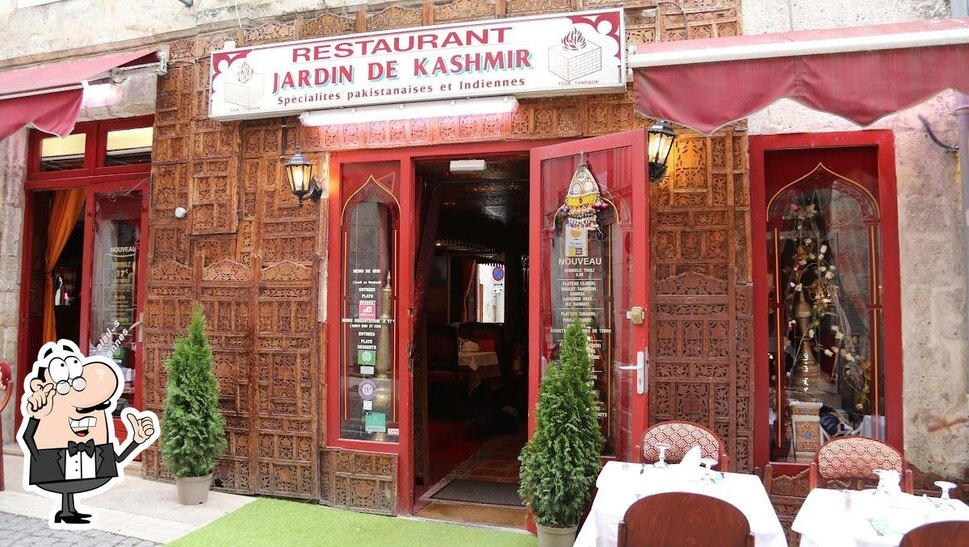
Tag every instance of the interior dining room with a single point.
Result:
(470, 288)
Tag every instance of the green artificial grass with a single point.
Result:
(266, 522)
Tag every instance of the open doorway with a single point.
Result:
(471, 383)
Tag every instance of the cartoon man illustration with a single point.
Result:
(68, 432)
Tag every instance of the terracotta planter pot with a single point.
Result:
(556, 537)
(193, 490)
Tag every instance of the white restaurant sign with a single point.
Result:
(544, 55)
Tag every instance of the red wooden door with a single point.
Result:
(589, 256)
(112, 296)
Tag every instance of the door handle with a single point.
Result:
(642, 370)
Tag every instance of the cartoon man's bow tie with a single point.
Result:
(86, 447)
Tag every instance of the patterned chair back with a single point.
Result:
(854, 460)
(682, 436)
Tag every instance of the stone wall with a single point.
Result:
(13, 172)
(68, 23)
(934, 339)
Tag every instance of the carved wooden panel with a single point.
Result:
(212, 195)
(463, 10)
(700, 329)
(181, 51)
(286, 380)
(325, 24)
(360, 481)
(395, 17)
(262, 138)
(269, 32)
(526, 7)
(207, 43)
(787, 493)
(169, 296)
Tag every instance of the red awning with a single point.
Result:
(49, 97)
(859, 73)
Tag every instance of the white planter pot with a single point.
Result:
(556, 537)
(193, 490)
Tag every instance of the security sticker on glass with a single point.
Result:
(68, 439)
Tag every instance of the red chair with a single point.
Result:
(682, 436)
(948, 533)
(854, 460)
(680, 518)
(6, 385)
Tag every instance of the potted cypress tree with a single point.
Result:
(193, 429)
(560, 463)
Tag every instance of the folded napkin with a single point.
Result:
(692, 458)
(468, 346)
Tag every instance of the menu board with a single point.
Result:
(581, 286)
(368, 342)
(122, 303)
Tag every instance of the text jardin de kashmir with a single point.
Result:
(377, 70)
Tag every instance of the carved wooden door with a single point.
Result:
(589, 254)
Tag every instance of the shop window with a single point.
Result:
(94, 148)
(368, 376)
(62, 154)
(128, 146)
(826, 350)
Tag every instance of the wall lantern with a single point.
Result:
(661, 137)
(299, 172)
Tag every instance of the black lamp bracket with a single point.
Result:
(315, 193)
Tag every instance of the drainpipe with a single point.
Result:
(962, 115)
(960, 8)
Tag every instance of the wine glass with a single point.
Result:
(945, 486)
(662, 447)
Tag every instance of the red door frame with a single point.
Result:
(409, 227)
(97, 179)
(885, 143)
(636, 141)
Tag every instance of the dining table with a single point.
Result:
(620, 484)
(481, 366)
(868, 518)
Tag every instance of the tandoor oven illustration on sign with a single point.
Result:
(543, 55)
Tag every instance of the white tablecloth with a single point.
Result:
(482, 364)
(475, 359)
(620, 484)
(836, 518)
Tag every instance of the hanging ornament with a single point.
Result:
(583, 200)
(580, 212)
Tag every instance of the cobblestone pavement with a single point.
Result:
(18, 531)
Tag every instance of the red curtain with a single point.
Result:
(67, 206)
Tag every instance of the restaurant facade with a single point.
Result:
(789, 273)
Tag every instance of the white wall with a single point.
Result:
(934, 345)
